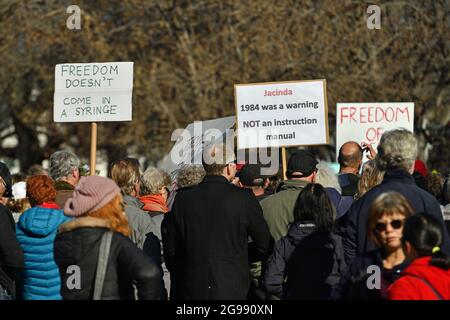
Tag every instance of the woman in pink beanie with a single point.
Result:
(97, 205)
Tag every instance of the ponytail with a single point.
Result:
(424, 233)
(439, 259)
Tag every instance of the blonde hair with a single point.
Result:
(371, 176)
(125, 173)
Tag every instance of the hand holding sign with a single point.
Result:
(368, 150)
(368, 121)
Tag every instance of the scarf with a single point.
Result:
(49, 205)
(154, 202)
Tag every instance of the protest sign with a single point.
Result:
(281, 114)
(93, 92)
(193, 140)
(367, 121)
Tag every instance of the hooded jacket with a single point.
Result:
(36, 231)
(306, 264)
(421, 281)
(78, 243)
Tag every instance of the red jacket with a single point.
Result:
(410, 287)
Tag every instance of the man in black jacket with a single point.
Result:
(397, 152)
(205, 235)
(11, 255)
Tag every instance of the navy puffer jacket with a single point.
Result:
(306, 264)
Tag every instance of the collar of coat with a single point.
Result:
(294, 184)
(216, 179)
(84, 222)
(398, 174)
(132, 201)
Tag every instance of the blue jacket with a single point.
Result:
(36, 231)
(356, 241)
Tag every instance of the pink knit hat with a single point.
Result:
(90, 194)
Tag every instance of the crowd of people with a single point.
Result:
(223, 230)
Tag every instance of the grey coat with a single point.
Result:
(140, 222)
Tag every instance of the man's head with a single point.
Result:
(64, 166)
(126, 174)
(250, 177)
(219, 159)
(302, 166)
(397, 150)
(350, 157)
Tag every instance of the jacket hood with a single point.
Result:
(437, 277)
(298, 231)
(41, 221)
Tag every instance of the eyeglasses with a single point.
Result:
(395, 224)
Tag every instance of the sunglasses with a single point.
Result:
(395, 224)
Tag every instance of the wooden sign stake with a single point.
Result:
(93, 148)
(283, 158)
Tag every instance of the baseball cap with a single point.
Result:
(250, 175)
(301, 161)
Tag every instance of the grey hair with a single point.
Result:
(62, 164)
(327, 178)
(153, 180)
(190, 176)
(397, 150)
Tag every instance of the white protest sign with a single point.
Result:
(197, 136)
(93, 92)
(281, 114)
(367, 121)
